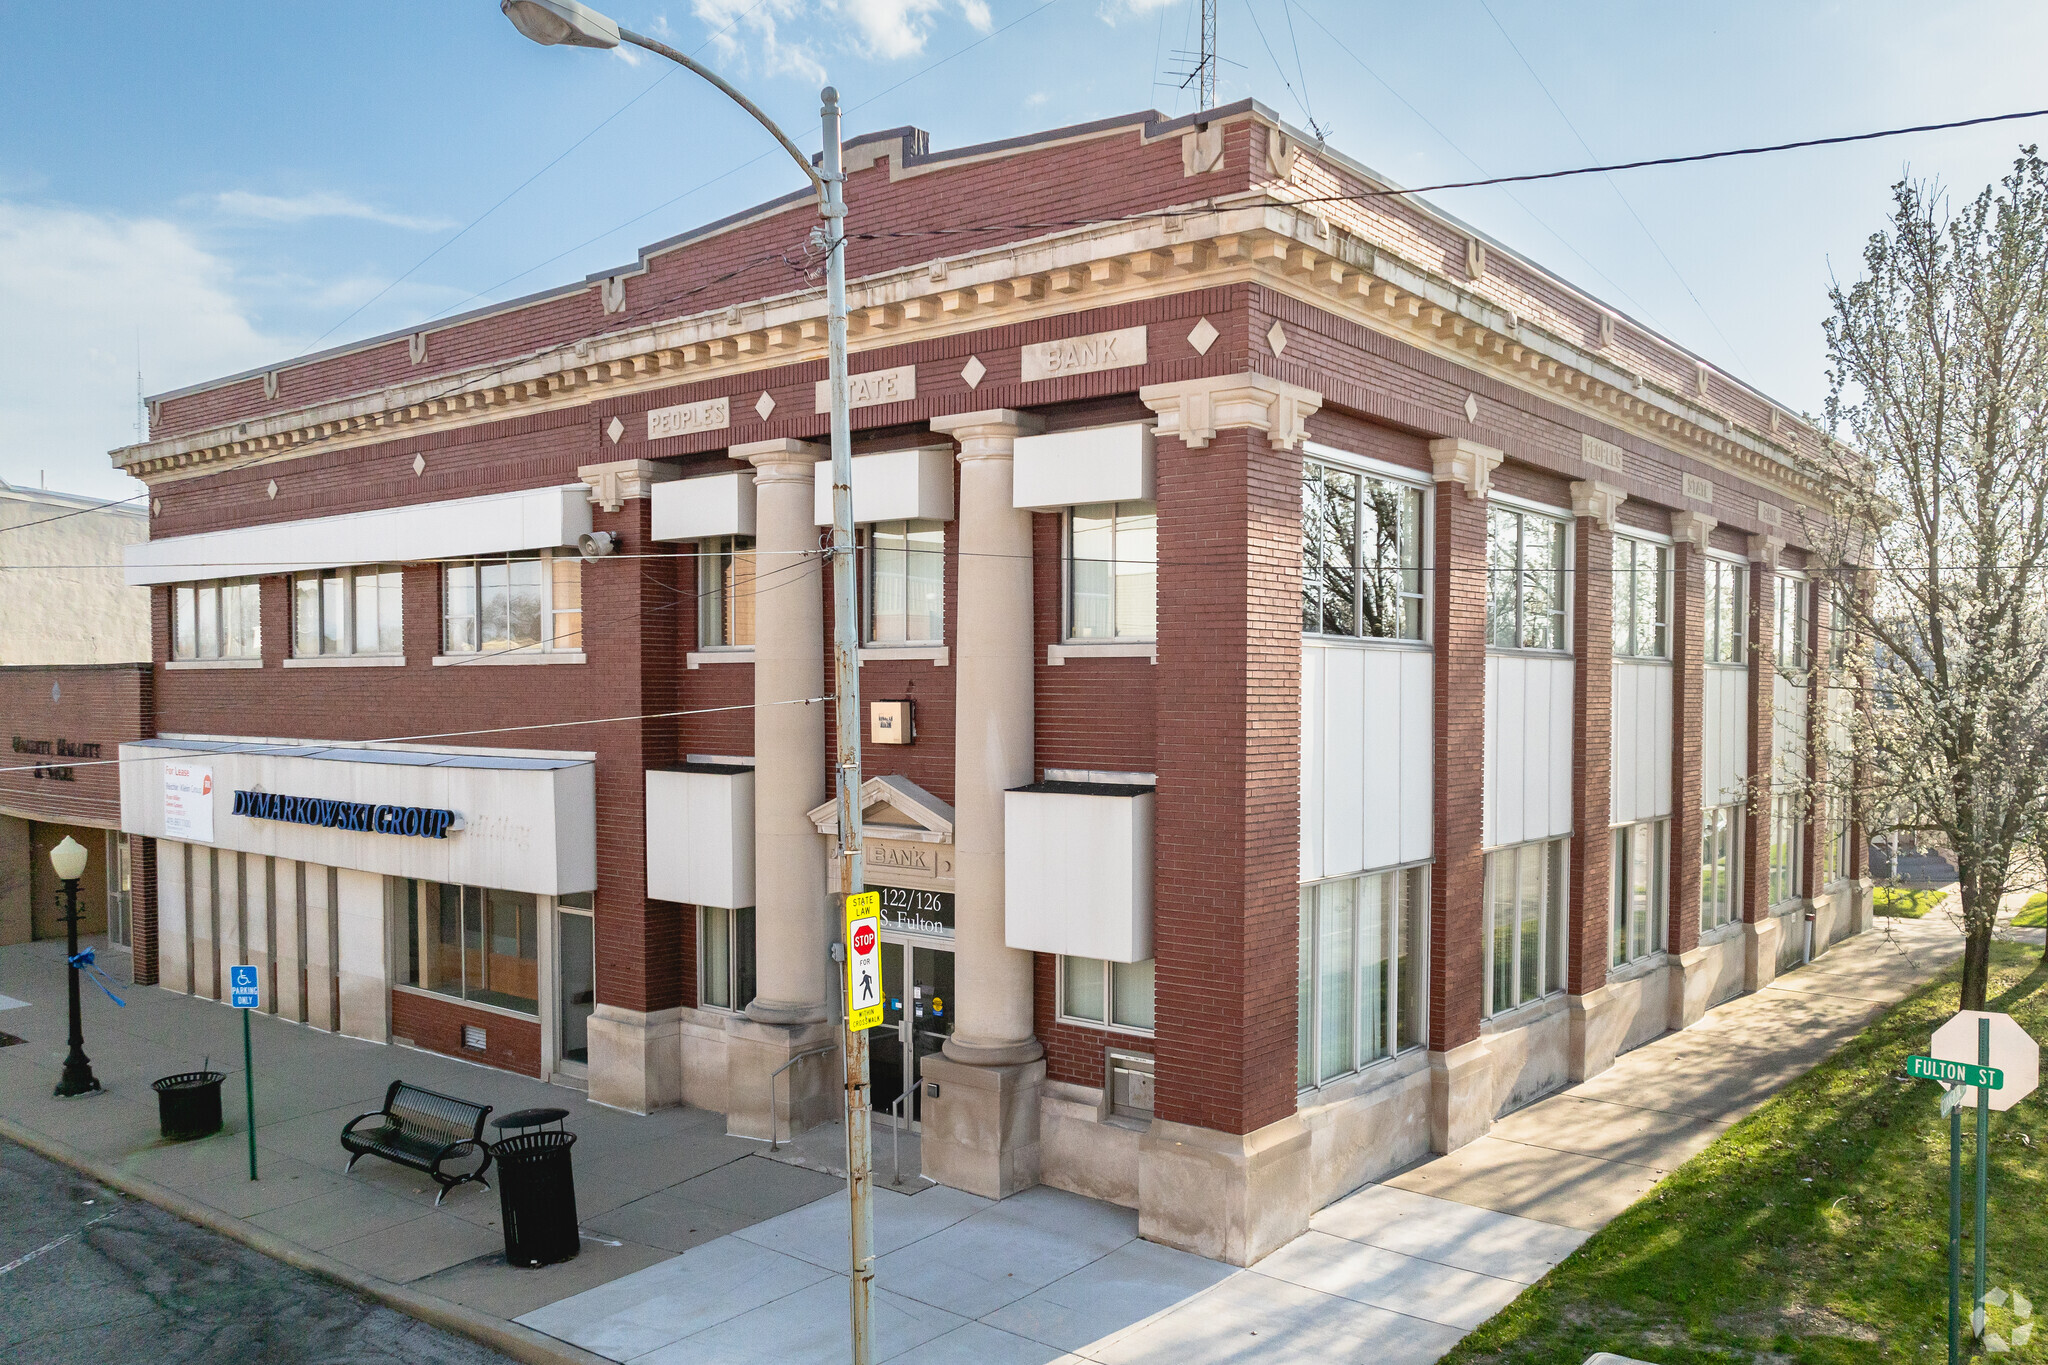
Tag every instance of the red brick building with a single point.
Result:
(1353, 681)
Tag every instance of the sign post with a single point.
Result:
(1988, 1060)
(245, 996)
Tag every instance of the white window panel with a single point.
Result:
(1070, 468)
(698, 509)
(891, 485)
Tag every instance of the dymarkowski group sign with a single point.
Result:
(421, 822)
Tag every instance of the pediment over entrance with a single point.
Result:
(894, 808)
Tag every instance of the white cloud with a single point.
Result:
(758, 35)
(78, 287)
(272, 208)
(732, 20)
(1113, 10)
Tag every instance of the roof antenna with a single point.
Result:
(1201, 68)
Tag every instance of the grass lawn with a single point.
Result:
(2034, 914)
(1814, 1231)
(1907, 902)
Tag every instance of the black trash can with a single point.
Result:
(537, 1195)
(188, 1104)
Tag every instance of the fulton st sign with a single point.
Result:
(420, 822)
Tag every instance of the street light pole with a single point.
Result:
(68, 858)
(568, 23)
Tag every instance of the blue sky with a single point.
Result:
(230, 184)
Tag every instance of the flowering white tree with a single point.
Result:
(1938, 385)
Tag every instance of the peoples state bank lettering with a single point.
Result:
(421, 822)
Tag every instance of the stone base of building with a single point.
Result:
(1226, 1196)
(1598, 1024)
(1461, 1095)
(636, 1058)
(1760, 950)
(1705, 976)
(980, 1126)
(763, 1058)
(1082, 1148)
(1863, 905)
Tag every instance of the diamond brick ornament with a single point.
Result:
(765, 404)
(973, 372)
(1276, 338)
(1204, 336)
(419, 465)
(615, 430)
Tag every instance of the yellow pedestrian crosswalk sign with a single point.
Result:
(864, 960)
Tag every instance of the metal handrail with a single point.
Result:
(896, 1137)
(814, 1052)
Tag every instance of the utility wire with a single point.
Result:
(1287, 9)
(1684, 283)
(1280, 70)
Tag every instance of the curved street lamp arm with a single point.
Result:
(663, 49)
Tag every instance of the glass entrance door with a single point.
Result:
(918, 1008)
(576, 973)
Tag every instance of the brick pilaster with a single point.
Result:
(1227, 885)
(142, 908)
(1756, 828)
(1592, 746)
(1688, 684)
(1457, 965)
(1817, 825)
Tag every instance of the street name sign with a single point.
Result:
(1954, 1073)
(2013, 1054)
(242, 989)
(864, 960)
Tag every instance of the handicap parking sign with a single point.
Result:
(242, 988)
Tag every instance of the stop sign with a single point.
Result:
(2012, 1052)
(864, 939)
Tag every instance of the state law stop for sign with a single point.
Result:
(864, 960)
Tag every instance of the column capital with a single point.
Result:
(1692, 528)
(990, 434)
(782, 460)
(1458, 460)
(1765, 550)
(1194, 410)
(1600, 501)
(615, 481)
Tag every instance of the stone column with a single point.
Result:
(794, 1008)
(1689, 983)
(981, 1130)
(1597, 1029)
(1760, 930)
(1461, 1068)
(1225, 1169)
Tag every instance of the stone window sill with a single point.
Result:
(348, 661)
(937, 655)
(698, 658)
(1058, 655)
(213, 663)
(511, 658)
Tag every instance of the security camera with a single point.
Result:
(596, 544)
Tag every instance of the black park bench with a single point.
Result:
(427, 1131)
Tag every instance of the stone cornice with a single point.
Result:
(1692, 528)
(1194, 410)
(1284, 249)
(615, 482)
(1600, 501)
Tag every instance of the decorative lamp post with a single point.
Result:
(68, 858)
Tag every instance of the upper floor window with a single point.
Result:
(1524, 580)
(217, 620)
(1791, 622)
(1642, 598)
(348, 611)
(503, 602)
(1839, 627)
(1727, 611)
(1118, 994)
(725, 592)
(906, 583)
(1361, 555)
(1113, 571)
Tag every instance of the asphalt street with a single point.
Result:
(90, 1275)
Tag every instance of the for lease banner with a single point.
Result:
(188, 803)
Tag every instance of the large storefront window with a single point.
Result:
(120, 891)
(1525, 923)
(1361, 555)
(1637, 929)
(1788, 839)
(1720, 865)
(474, 943)
(1360, 994)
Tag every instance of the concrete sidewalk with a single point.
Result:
(698, 1247)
